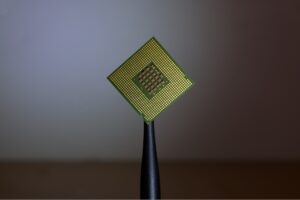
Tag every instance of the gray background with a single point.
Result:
(56, 103)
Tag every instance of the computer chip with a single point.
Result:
(150, 80)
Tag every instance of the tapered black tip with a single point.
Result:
(150, 183)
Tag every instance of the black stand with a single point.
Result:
(150, 184)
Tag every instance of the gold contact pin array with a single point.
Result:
(150, 80)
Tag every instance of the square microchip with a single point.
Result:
(150, 80)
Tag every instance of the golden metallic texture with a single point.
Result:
(152, 90)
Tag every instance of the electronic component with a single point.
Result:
(150, 80)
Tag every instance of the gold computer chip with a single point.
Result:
(150, 80)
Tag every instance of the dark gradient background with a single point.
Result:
(56, 103)
(65, 132)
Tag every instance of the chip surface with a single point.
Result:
(150, 80)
